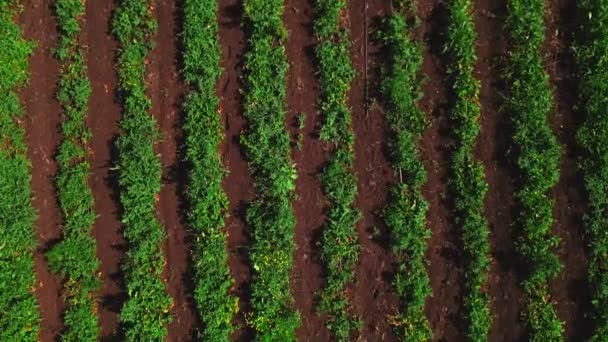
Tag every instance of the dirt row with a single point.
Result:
(372, 296)
(310, 205)
(570, 290)
(494, 143)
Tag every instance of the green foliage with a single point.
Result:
(145, 314)
(405, 216)
(592, 57)
(267, 146)
(74, 259)
(340, 247)
(301, 118)
(19, 315)
(203, 132)
(467, 184)
(301, 121)
(529, 101)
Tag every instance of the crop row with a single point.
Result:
(467, 183)
(74, 258)
(266, 143)
(593, 138)
(19, 314)
(208, 203)
(145, 314)
(406, 215)
(529, 102)
(340, 245)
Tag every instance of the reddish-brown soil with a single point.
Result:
(42, 125)
(569, 290)
(237, 183)
(309, 207)
(492, 149)
(373, 298)
(166, 92)
(103, 116)
(445, 270)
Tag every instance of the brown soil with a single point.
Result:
(374, 299)
(445, 270)
(166, 92)
(302, 92)
(42, 126)
(570, 290)
(237, 183)
(103, 117)
(492, 149)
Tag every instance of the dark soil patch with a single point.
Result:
(237, 183)
(43, 137)
(373, 297)
(493, 149)
(443, 308)
(570, 290)
(166, 92)
(310, 205)
(104, 114)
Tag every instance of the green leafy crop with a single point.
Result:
(203, 132)
(74, 258)
(340, 245)
(592, 58)
(405, 216)
(19, 315)
(145, 314)
(467, 183)
(267, 147)
(529, 102)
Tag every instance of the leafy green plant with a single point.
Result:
(301, 121)
(203, 132)
(467, 184)
(340, 247)
(19, 315)
(74, 258)
(591, 55)
(529, 101)
(145, 314)
(267, 146)
(405, 216)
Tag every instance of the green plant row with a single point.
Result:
(208, 203)
(529, 102)
(592, 57)
(405, 216)
(266, 143)
(19, 315)
(74, 258)
(467, 183)
(340, 245)
(145, 314)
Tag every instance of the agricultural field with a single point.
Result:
(304, 170)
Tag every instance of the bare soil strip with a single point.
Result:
(104, 113)
(43, 136)
(373, 297)
(492, 149)
(310, 205)
(237, 184)
(443, 308)
(570, 290)
(166, 91)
